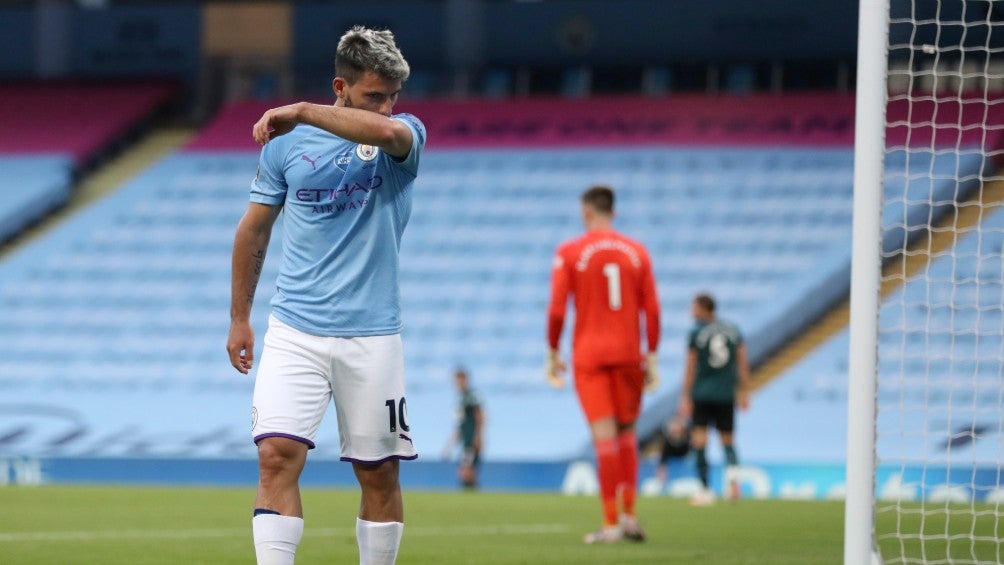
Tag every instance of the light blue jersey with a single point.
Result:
(345, 207)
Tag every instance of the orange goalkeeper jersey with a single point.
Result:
(610, 278)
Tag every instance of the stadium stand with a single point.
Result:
(54, 130)
(120, 316)
(32, 186)
(953, 338)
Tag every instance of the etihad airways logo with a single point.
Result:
(347, 197)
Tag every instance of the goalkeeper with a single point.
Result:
(610, 278)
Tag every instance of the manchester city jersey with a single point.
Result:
(345, 207)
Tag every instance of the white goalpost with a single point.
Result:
(925, 430)
(866, 247)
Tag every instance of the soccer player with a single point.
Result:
(716, 378)
(470, 426)
(675, 445)
(610, 278)
(343, 175)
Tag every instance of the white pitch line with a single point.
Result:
(492, 529)
(120, 534)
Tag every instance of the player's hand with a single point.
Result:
(276, 122)
(651, 372)
(686, 408)
(555, 369)
(240, 346)
(744, 400)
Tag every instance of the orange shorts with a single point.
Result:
(610, 391)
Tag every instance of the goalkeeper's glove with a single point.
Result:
(651, 372)
(555, 368)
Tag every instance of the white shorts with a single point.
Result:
(300, 373)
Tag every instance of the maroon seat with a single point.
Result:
(80, 119)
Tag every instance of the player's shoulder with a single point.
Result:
(635, 243)
(569, 246)
(411, 119)
(470, 399)
(731, 326)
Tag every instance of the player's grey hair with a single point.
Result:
(363, 49)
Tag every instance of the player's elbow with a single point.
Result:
(393, 137)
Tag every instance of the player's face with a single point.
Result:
(371, 92)
(697, 311)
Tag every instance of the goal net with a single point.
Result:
(939, 384)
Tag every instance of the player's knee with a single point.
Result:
(381, 478)
(278, 457)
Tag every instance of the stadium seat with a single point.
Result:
(139, 283)
(935, 331)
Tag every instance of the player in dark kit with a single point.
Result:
(470, 426)
(675, 445)
(716, 379)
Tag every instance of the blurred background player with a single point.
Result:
(469, 432)
(675, 445)
(335, 327)
(610, 279)
(716, 378)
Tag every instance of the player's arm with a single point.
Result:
(556, 321)
(360, 126)
(742, 366)
(250, 246)
(689, 374)
(650, 301)
(479, 425)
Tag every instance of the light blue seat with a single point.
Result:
(138, 285)
(940, 369)
(32, 186)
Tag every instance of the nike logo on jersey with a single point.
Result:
(313, 162)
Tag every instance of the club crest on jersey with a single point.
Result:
(366, 152)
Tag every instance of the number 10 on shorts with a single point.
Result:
(396, 411)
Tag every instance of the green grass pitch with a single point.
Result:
(130, 525)
(68, 525)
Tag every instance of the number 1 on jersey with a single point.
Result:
(612, 272)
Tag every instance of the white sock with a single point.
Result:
(276, 538)
(378, 541)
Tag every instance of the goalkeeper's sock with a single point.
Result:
(702, 466)
(275, 537)
(730, 456)
(378, 541)
(608, 470)
(628, 444)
